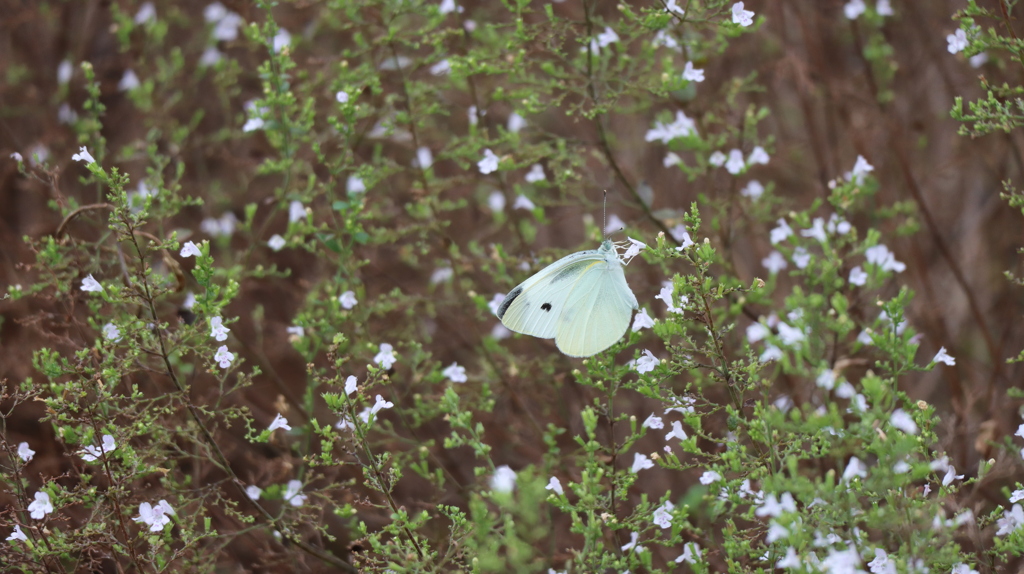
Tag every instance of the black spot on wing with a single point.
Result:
(508, 301)
(546, 306)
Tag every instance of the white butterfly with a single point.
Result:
(582, 301)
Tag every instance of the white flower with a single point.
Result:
(276, 242)
(634, 248)
(801, 258)
(607, 37)
(790, 336)
(672, 6)
(83, 155)
(448, 6)
(632, 544)
(771, 353)
(957, 41)
(958, 568)
(690, 555)
(224, 226)
(1007, 524)
(774, 263)
(348, 299)
(663, 515)
(292, 493)
(758, 156)
(190, 249)
(676, 432)
(473, 115)
(341, 96)
(653, 422)
(682, 236)
(66, 115)
(17, 534)
(253, 492)
(817, 230)
(854, 469)
(903, 421)
(424, 158)
(860, 169)
(882, 564)
(614, 224)
(881, 256)
(710, 477)
(950, 476)
(252, 124)
(516, 122)
(495, 302)
(756, 332)
(740, 16)
(296, 211)
(682, 126)
(441, 274)
(111, 332)
(853, 9)
(279, 422)
(386, 356)
(717, 159)
(781, 232)
(129, 81)
(226, 23)
(17, 157)
(753, 190)
(641, 462)
(455, 373)
(884, 8)
(790, 560)
(642, 320)
(774, 506)
(943, 357)
(523, 202)
(555, 485)
(504, 479)
(64, 72)
(210, 57)
(490, 162)
(155, 516)
(217, 329)
(91, 452)
(351, 383)
(666, 295)
(223, 357)
(858, 276)
(647, 362)
(41, 506)
(24, 452)
(838, 225)
(282, 39)
(735, 163)
(354, 185)
(442, 68)
(978, 60)
(380, 404)
(692, 74)
(536, 174)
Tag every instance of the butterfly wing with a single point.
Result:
(536, 305)
(597, 310)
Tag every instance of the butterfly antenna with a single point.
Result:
(604, 225)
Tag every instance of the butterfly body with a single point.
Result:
(582, 301)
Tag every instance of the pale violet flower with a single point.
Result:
(740, 16)
(504, 479)
(735, 163)
(441, 274)
(210, 57)
(903, 421)
(66, 115)
(442, 68)
(555, 486)
(690, 555)
(692, 74)
(455, 373)
(535, 174)
(774, 263)
(386, 356)
(83, 155)
(676, 432)
(495, 302)
(826, 380)
(881, 256)
(156, 516)
(801, 257)
(682, 126)
(653, 422)
(190, 249)
(771, 353)
(666, 295)
(663, 515)
(282, 40)
(854, 469)
(223, 357)
(790, 560)
(858, 276)
(111, 332)
(673, 6)
(853, 9)
(753, 190)
(253, 492)
(647, 362)
(957, 41)
(253, 124)
(838, 225)
(943, 357)
(341, 96)
(296, 330)
(17, 534)
(635, 247)
(448, 6)
(91, 452)
(293, 493)
(781, 232)
(276, 242)
(614, 224)
(710, 477)
(717, 158)
(217, 329)
(424, 158)
(1007, 524)
(523, 202)
(516, 122)
(682, 236)
(641, 462)
(978, 60)
(473, 115)
(642, 321)
(64, 71)
(279, 422)
(354, 185)
(860, 169)
(756, 332)
(958, 568)
(489, 163)
(129, 81)
(884, 8)
(758, 156)
(41, 506)
(348, 299)
(296, 211)
(816, 231)
(775, 506)
(24, 452)
(607, 38)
